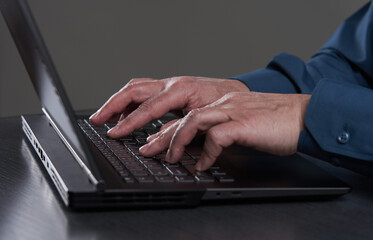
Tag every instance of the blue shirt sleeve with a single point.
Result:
(339, 117)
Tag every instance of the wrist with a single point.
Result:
(305, 99)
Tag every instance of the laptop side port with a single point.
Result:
(48, 165)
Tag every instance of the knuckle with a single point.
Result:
(209, 158)
(145, 107)
(129, 86)
(194, 114)
(180, 81)
(215, 135)
(170, 125)
(136, 80)
(232, 95)
(229, 98)
(110, 108)
(162, 138)
(133, 80)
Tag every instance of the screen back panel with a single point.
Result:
(46, 81)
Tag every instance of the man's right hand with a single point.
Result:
(145, 99)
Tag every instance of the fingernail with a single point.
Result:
(113, 130)
(93, 115)
(144, 148)
(198, 166)
(148, 139)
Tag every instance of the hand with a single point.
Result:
(142, 100)
(266, 122)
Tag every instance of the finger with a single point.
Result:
(217, 138)
(196, 120)
(151, 109)
(163, 128)
(130, 108)
(136, 92)
(133, 92)
(166, 125)
(160, 142)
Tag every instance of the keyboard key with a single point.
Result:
(129, 179)
(124, 138)
(172, 165)
(134, 150)
(178, 171)
(141, 141)
(115, 163)
(148, 160)
(158, 172)
(185, 179)
(151, 131)
(119, 168)
(154, 166)
(194, 152)
(201, 173)
(157, 158)
(128, 161)
(165, 179)
(217, 172)
(205, 179)
(145, 179)
(127, 142)
(119, 151)
(162, 155)
(123, 155)
(139, 134)
(123, 173)
(139, 173)
(157, 123)
(147, 126)
(225, 178)
(110, 125)
(191, 169)
(132, 164)
(188, 162)
(136, 168)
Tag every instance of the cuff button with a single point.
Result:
(344, 137)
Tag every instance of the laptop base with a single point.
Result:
(260, 177)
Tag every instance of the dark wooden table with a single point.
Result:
(30, 209)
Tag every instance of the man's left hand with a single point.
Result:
(266, 122)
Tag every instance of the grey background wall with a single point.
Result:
(98, 46)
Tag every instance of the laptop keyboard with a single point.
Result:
(123, 154)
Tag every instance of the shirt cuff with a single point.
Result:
(338, 118)
(309, 146)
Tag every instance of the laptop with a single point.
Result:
(91, 171)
